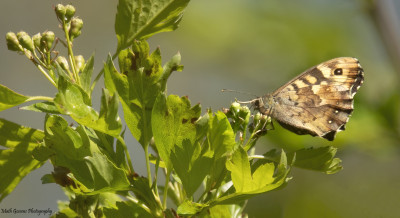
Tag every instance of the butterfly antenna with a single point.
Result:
(241, 92)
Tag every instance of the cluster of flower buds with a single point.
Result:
(22, 42)
(239, 115)
(65, 14)
(259, 125)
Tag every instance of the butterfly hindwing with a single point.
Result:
(319, 101)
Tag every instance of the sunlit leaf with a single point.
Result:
(126, 209)
(74, 101)
(45, 107)
(9, 98)
(17, 161)
(175, 136)
(320, 159)
(137, 87)
(248, 184)
(106, 175)
(86, 75)
(190, 208)
(143, 192)
(144, 18)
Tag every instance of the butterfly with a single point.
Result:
(318, 102)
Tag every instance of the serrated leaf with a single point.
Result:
(70, 147)
(143, 192)
(189, 208)
(320, 159)
(175, 136)
(248, 184)
(45, 107)
(17, 161)
(126, 209)
(220, 135)
(144, 18)
(42, 153)
(137, 87)
(106, 176)
(242, 177)
(74, 101)
(86, 75)
(172, 125)
(221, 142)
(12, 134)
(9, 98)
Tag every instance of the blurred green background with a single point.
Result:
(253, 46)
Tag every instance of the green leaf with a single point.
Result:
(144, 18)
(320, 159)
(144, 193)
(42, 153)
(70, 148)
(126, 209)
(175, 136)
(189, 208)
(106, 176)
(86, 75)
(74, 101)
(171, 125)
(221, 142)
(9, 98)
(17, 161)
(137, 87)
(12, 135)
(45, 107)
(220, 135)
(248, 184)
(242, 177)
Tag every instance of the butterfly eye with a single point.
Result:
(338, 71)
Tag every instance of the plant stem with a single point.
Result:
(71, 54)
(43, 98)
(143, 206)
(46, 75)
(128, 157)
(146, 153)
(165, 195)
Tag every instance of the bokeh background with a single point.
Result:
(253, 46)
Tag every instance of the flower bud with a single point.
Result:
(47, 40)
(235, 107)
(62, 61)
(36, 40)
(76, 26)
(70, 12)
(12, 42)
(60, 11)
(80, 63)
(25, 41)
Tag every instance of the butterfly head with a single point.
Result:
(263, 104)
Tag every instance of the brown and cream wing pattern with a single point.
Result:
(320, 100)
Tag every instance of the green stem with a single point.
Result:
(143, 206)
(146, 153)
(46, 75)
(165, 195)
(128, 157)
(38, 98)
(71, 54)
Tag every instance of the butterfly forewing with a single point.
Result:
(319, 101)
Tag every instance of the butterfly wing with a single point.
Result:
(320, 100)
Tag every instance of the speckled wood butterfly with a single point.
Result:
(317, 102)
